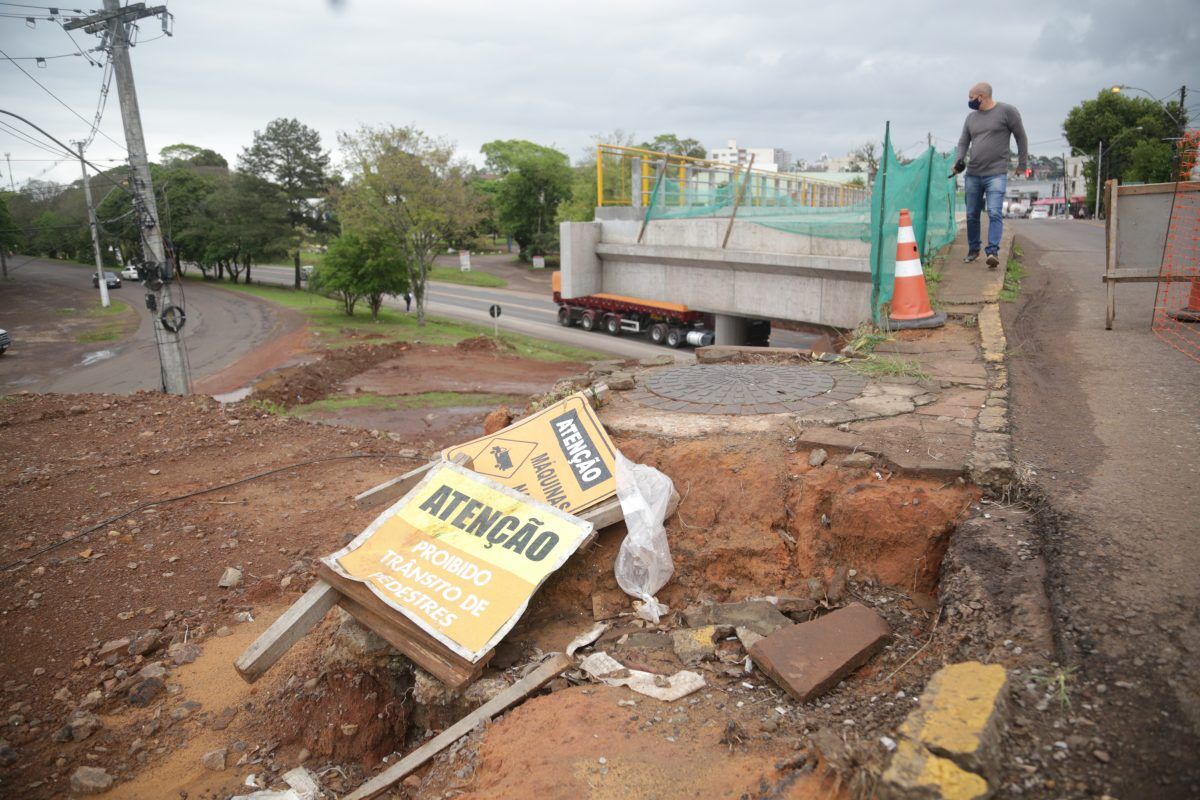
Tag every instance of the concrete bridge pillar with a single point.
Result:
(730, 329)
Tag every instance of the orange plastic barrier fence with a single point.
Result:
(1177, 302)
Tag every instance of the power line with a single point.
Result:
(60, 101)
(45, 8)
(22, 136)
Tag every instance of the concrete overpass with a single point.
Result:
(760, 273)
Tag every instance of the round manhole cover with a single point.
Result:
(749, 388)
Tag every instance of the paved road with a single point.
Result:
(527, 312)
(222, 326)
(1111, 422)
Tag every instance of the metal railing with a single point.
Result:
(631, 176)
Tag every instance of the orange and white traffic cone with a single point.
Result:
(1190, 312)
(910, 299)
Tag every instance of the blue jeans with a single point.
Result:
(977, 187)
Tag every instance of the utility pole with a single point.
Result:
(1099, 162)
(11, 183)
(87, 196)
(114, 23)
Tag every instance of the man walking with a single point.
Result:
(986, 132)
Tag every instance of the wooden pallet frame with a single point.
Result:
(357, 600)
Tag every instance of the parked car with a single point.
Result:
(306, 272)
(1040, 212)
(130, 273)
(5, 341)
(110, 278)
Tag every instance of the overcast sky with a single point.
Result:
(809, 77)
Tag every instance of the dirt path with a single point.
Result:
(1109, 422)
(223, 327)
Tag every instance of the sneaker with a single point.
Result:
(971, 257)
(992, 261)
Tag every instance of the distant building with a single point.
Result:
(771, 159)
(1076, 185)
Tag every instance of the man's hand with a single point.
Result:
(959, 166)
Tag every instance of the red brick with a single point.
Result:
(809, 659)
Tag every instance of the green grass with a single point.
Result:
(880, 367)
(112, 321)
(338, 330)
(412, 401)
(1013, 273)
(865, 338)
(933, 276)
(472, 278)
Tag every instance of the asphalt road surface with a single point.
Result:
(222, 326)
(1110, 421)
(528, 313)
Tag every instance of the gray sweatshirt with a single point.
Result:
(987, 132)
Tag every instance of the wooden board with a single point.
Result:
(404, 634)
(548, 671)
(397, 487)
(292, 625)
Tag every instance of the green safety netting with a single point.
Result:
(922, 185)
(793, 205)
(925, 188)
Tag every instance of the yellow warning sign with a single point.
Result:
(460, 555)
(561, 455)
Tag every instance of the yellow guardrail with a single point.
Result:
(629, 176)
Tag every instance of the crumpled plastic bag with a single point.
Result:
(644, 561)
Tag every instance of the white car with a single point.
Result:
(130, 273)
(1040, 212)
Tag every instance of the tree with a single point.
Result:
(190, 155)
(1132, 130)
(863, 159)
(581, 205)
(355, 267)
(409, 190)
(289, 154)
(534, 180)
(670, 143)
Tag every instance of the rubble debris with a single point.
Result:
(214, 759)
(760, 616)
(91, 780)
(694, 645)
(817, 457)
(808, 659)
(607, 669)
(957, 728)
(303, 783)
(230, 578)
(587, 637)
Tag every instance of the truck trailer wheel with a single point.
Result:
(612, 324)
(588, 321)
(564, 316)
(658, 333)
(675, 337)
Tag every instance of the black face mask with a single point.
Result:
(974, 104)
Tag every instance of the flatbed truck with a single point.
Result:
(671, 324)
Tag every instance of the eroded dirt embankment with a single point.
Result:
(755, 520)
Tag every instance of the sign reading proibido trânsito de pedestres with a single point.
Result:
(561, 455)
(460, 555)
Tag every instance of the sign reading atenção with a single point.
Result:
(561, 455)
(460, 555)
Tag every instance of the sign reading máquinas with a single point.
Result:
(460, 555)
(561, 455)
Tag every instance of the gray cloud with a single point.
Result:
(809, 78)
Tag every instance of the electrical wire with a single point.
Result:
(60, 101)
(91, 60)
(105, 84)
(45, 8)
(153, 503)
(26, 138)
